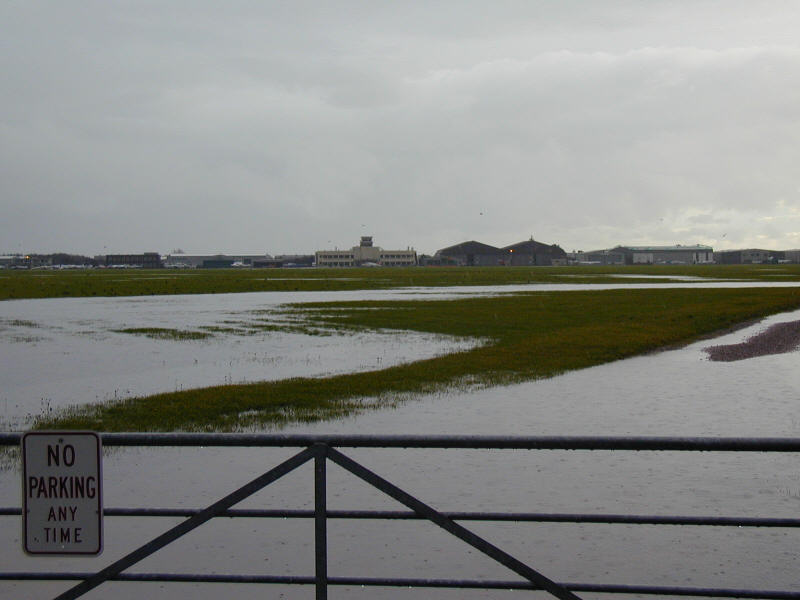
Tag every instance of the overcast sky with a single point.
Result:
(287, 127)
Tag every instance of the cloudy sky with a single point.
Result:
(286, 127)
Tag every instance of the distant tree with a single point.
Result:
(63, 258)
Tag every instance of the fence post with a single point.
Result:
(321, 520)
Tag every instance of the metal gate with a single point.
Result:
(323, 448)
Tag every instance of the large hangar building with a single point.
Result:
(477, 254)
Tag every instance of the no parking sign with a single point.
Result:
(62, 507)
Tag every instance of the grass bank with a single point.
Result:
(527, 336)
(136, 282)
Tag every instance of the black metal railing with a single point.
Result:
(323, 448)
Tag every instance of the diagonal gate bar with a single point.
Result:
(188, 525)
(451, 526)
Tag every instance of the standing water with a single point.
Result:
(675, 393)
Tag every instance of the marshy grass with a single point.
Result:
(159, 333)
(5, 323)
(525, 336)
(25, 339)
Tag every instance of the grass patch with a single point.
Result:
(527, 336)
(18, 323)
(212, 329)
(25, 339)
(247, 328)
(158, 333)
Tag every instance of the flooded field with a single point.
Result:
(56, 353)
(61, 352)
(676, 393)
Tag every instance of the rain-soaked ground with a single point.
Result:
(677, 392)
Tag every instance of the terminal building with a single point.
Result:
(365, 254)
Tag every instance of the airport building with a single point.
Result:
(596, 257)
(791, 256)
(212, 261)
(532, 253)
(366, 254)
(148, 260)
(666, 255)
(750, 256)
(468, 254)
(645, 255)
(477, 254)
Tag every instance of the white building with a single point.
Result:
(365, 254)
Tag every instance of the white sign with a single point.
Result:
(62, 508)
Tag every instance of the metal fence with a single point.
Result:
(323, 448)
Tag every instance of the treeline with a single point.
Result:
(62, 258)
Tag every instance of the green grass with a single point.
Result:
(135, 282)
(526, 336)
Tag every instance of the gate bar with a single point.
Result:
(606, 588)
(451, 527)
(188, 525)
(404, 515)
(718, 444)
(320, 520)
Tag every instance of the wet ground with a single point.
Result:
(678, 392)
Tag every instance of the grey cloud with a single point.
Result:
(280, 127)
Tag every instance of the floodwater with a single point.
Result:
(677, 392)
(62, 352)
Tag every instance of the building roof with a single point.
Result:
(616, 250)
(748, 250)
(471, 247)
(676, 248)
(217, 255)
